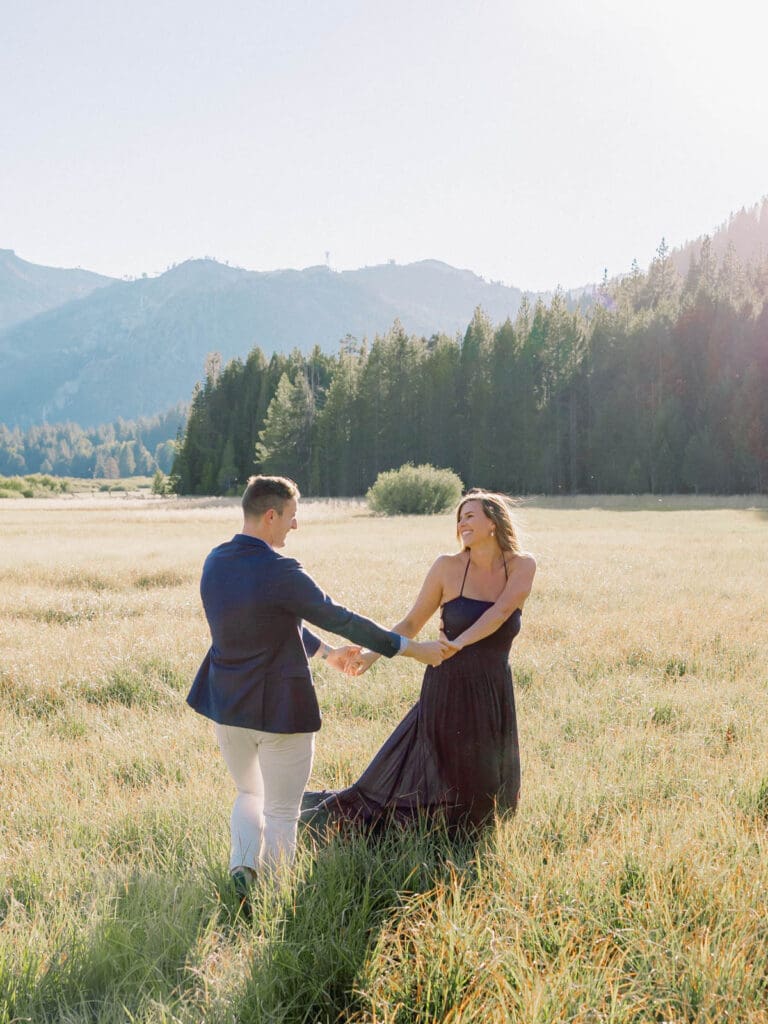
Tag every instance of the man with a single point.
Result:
(255, 682)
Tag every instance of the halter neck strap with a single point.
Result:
(466, 570)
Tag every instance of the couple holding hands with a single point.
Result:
(454, 756)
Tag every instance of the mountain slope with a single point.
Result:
(27, 289)
(132, 348)
(746, 232)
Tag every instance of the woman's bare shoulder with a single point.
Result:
(450, 560)
(523, 561)
(446, 564)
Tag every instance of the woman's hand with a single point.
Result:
(428, 652)
(450, 647)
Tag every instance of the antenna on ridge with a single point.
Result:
(328, 259)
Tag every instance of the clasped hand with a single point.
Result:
(428, 652)
(344, 658)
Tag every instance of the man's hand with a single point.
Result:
(363, 661)
(344, 658)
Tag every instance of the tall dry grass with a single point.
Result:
(631, 886)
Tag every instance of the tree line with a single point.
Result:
(123, 448)
(661, 386)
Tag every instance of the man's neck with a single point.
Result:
(257, 529)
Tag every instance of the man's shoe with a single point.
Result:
(242, 881)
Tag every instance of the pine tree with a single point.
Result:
(337, 427)
(227, 476)
(285, 442)
(440, 435)
(473, 401)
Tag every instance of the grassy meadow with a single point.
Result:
(41, 485)
(631, 886)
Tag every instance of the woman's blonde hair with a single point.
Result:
(496, 507)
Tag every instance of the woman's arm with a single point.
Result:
(427, 601)
(512, 597)
(424, 607)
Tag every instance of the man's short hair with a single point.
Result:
(265, 492)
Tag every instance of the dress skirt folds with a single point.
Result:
(455, 755)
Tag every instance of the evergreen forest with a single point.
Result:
(660, 386)
(124, 448)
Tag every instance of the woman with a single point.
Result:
(455, 754)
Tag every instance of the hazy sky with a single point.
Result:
(532, 142)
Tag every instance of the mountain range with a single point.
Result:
(79, 346)
(27, 289)
(132, 348)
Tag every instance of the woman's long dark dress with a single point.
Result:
(455, 755)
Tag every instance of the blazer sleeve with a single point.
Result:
(311, 642)
(298, 593)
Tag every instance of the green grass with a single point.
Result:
(631, 886)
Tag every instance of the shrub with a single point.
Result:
(160, 483)
(414, 490)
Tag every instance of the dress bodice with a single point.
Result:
(461, 612)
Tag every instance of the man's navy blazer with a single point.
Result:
(256, 673)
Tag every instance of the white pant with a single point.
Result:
(271, 770)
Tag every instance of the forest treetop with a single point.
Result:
(659, 387)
